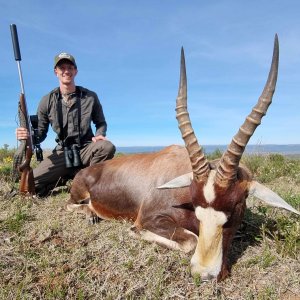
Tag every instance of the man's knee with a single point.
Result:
(102, 150)
(110, 149)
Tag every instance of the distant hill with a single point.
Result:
(292, 149)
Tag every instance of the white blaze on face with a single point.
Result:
(207, 259)
(208, 190)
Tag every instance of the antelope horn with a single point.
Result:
(227, 169)
(199, 163)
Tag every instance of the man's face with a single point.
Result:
(66, 72)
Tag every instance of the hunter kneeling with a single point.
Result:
(69, 109)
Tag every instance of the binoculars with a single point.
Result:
(72, 156)
(38, 152)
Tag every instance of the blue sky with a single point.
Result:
(128, 52)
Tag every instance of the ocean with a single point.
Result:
(292, 149)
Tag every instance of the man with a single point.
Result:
(69, 109)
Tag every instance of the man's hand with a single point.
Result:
(22, 133)
(99, 138)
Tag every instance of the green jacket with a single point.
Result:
(90, 111)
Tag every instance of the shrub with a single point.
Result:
(253, 162)
(6, 160)
(215, 155)
(6, 153)
(270, 167)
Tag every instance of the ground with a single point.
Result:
(47, 252)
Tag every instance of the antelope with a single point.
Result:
(176, 197)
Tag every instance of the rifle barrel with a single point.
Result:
(17, 53)
(27, 179)
(21, 78)
(15, 41)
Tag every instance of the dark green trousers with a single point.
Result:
(52, 171)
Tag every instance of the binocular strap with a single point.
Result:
(64, 135)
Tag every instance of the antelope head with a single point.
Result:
(219, 189)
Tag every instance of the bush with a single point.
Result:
(6, 153)
(215, 155)
(6, 160)
(272, 166)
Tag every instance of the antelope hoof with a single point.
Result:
(94, 220)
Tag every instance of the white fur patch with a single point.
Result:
(209, 217)
(207, 271)
(207, 259)
(209, 189)
(152, 237)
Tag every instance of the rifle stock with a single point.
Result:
(27, 180)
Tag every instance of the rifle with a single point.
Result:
(26, 186)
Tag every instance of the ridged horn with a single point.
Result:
(227, 169)
(198, 160)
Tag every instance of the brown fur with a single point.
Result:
(126, 188)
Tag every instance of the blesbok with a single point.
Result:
(208, 208)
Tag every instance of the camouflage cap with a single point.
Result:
(66, 56)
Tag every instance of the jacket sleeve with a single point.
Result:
(98, 117)
(43, 123)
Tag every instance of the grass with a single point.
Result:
(49, 253)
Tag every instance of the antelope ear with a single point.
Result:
(178, 182)
(263, 193)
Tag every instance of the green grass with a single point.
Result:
(15, 222)
(269, 167)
